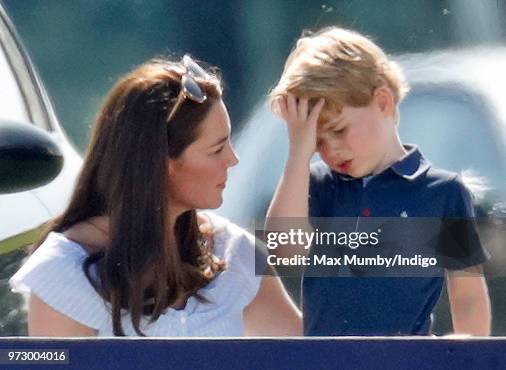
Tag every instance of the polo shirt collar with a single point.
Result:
(409, 167)
(412, 165)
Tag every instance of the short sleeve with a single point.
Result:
(237, 247)
(459, 242)
(54, 274)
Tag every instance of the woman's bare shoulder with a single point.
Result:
(89, 235)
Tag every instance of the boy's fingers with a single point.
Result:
(279, 107)
(291, 105)
(315, 112)
(302, 109)
(283, 108)
(275, 108)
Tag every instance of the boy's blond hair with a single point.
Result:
(342, 66)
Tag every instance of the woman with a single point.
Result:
(130, 255)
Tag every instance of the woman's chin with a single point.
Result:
(215, 203)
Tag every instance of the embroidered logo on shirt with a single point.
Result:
(404, 214)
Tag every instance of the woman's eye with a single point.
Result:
(219, 150)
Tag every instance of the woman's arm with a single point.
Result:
(44, 321)
(272, 312)
(469, 301)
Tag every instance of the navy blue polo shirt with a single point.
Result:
(410, 187)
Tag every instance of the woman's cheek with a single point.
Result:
(208, 170)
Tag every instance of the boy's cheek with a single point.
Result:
(327, 161)
(362, 143)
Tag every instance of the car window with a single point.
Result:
(12, 104)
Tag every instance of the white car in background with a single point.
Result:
(23, 100)
(38, 167)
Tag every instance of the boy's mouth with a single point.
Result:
(344, 166)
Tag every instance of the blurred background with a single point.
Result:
(453, 52)
(81, 47)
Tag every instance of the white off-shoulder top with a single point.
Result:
(54, 273)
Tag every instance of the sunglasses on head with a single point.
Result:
(190, 89)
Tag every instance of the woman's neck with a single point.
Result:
(94, 231)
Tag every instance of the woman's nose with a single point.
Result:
(233, 157)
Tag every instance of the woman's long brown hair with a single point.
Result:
(124, 177)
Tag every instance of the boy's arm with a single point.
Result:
(469, 301)
(291, 196)
(290, 199)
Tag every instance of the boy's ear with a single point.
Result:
(385, 101)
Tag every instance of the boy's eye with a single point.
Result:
(338, 132)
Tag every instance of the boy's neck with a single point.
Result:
(396, 152)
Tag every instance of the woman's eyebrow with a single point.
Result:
(221, 141)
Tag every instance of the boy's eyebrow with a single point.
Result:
(329, 125)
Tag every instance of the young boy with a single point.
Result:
(339, 95)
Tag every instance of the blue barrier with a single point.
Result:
(293, 353)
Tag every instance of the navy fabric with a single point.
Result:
(386, 305)
(264, 353)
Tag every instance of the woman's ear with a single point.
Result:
(170, 166)
(385, 101)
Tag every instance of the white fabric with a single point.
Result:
(54, 273)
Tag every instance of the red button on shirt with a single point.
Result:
(366, 212)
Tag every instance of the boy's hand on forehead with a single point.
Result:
(301, 123)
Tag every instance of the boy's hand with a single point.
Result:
(301, 124)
